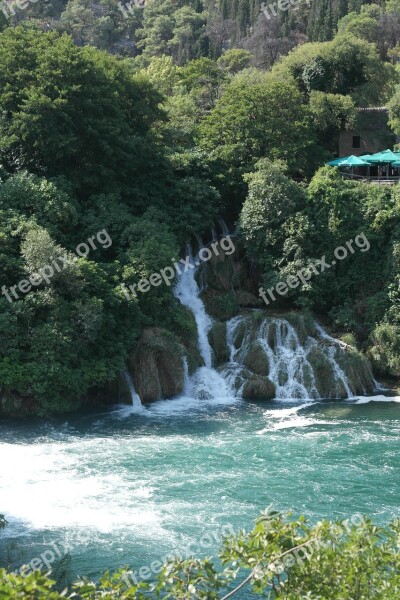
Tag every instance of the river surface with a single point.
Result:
(122, 487)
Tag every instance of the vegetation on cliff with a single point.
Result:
(181, 124)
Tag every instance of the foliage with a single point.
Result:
(254, 120)
(272, 199)
(394, 111)
(73, 111)
(332, 113)
(235, 60)
(80, 153)
(284, 231)
(182, 125)
(172, 28)
(346, 65)
(283, 558)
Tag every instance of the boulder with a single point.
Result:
(221, 306)
(256, 359)
(156, 365)
(217, 339)
(220, 273)
(259, 387)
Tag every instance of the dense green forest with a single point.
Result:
(150, 128)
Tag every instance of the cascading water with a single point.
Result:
(290, 366)
(296, 368)
(224, 227)
(187, 291)
(135, 398)
(206, 382)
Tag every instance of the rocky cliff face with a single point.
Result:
(14, 405)
(156, 365)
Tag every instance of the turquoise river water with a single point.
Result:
(124, 488)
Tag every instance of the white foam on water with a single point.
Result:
(135, 399)
(288, 418)
(123, 411)
(206, 389)
(57, 485)
(378, 398)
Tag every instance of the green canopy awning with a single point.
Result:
(383, 158)
(334, 163)
(349, 161)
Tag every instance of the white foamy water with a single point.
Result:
(289, 366)
(288, 418)
(378, 398)
(187, 291)
(50, 485)
(138, 488)
(206, 385)
(136, 402)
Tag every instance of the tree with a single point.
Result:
(266, 119)
(272, 200)
(346, 65)
(73, 111)
(172, 28)
(394, 111)
(235, 60)
(332, 113)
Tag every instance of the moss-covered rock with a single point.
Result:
(259, 387)
(357, 368)
(217, 339)
(219, 273)
(185, 328)
(239, 334)
(156, 365)
(14, 405)
(326, 381)
(248, 300)
(221, 306)
(303, 323)
(271, 337)
(256, 359)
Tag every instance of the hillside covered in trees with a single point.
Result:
(150, 128)
(189, 29)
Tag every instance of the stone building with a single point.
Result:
(370, 135)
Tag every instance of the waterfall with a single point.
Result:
(136, 402)
(262, 350)
(206, 383)
(224, 227)
(289, 361)
(187, 291)
(290, 369)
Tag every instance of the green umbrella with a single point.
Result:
(348, 161)
(386, 157)
(334, 163)
(353, 161)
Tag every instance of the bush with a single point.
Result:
(283, 558)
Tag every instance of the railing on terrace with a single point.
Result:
(376, 180)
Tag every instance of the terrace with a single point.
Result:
(382, 168)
